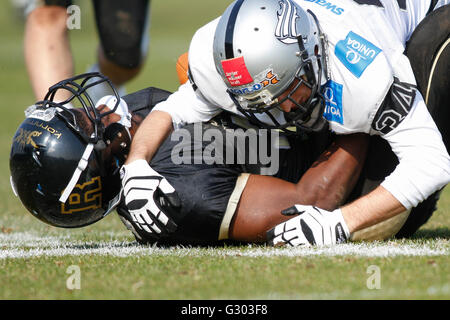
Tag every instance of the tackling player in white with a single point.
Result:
(302, 64)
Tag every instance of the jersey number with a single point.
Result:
(401, 3)
(395, 107)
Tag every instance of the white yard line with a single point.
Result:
(28, 245)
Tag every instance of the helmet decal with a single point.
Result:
(42, 114)
(25, 137)
(45, 127)
(229, 50)
(269, 78)
(286, 29)
(84, 197)
(236, 72)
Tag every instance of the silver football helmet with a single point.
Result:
(261, 47)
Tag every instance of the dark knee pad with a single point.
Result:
(121, 26)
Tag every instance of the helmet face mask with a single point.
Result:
(61, 167)
(78, 87)
(261, 48)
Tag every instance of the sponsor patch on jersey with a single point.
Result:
(333, 102)
(236, 72)
(329, 6)
(356, 53)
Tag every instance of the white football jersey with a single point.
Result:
(366, 65)
(365, 54)
(358, 83)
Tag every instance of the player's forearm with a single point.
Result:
(150, 135)
(424, 163)
(376, 206)
(333, 176)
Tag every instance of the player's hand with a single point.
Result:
(313, 226)
(148, 197)
(141, 236)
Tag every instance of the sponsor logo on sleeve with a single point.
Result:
(356, 53)
(333, 102)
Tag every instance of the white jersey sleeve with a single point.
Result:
(424, 164)
(187, 106)
(206, 96)
(203, 71)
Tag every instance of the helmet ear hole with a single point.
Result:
(118, 140)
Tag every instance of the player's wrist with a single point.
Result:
(135, 157)
(347, 214)
(136, 162)
(341, 227)
(136, 167)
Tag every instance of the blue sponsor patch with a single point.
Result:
(332, 92)
(356, 53)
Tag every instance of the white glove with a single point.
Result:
(313, 226)
(139, 183)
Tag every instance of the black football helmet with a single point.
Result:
(64, 163)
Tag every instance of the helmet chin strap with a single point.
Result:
(82, 164)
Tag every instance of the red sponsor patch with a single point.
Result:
(236, 72)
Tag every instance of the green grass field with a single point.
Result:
(34, 257)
